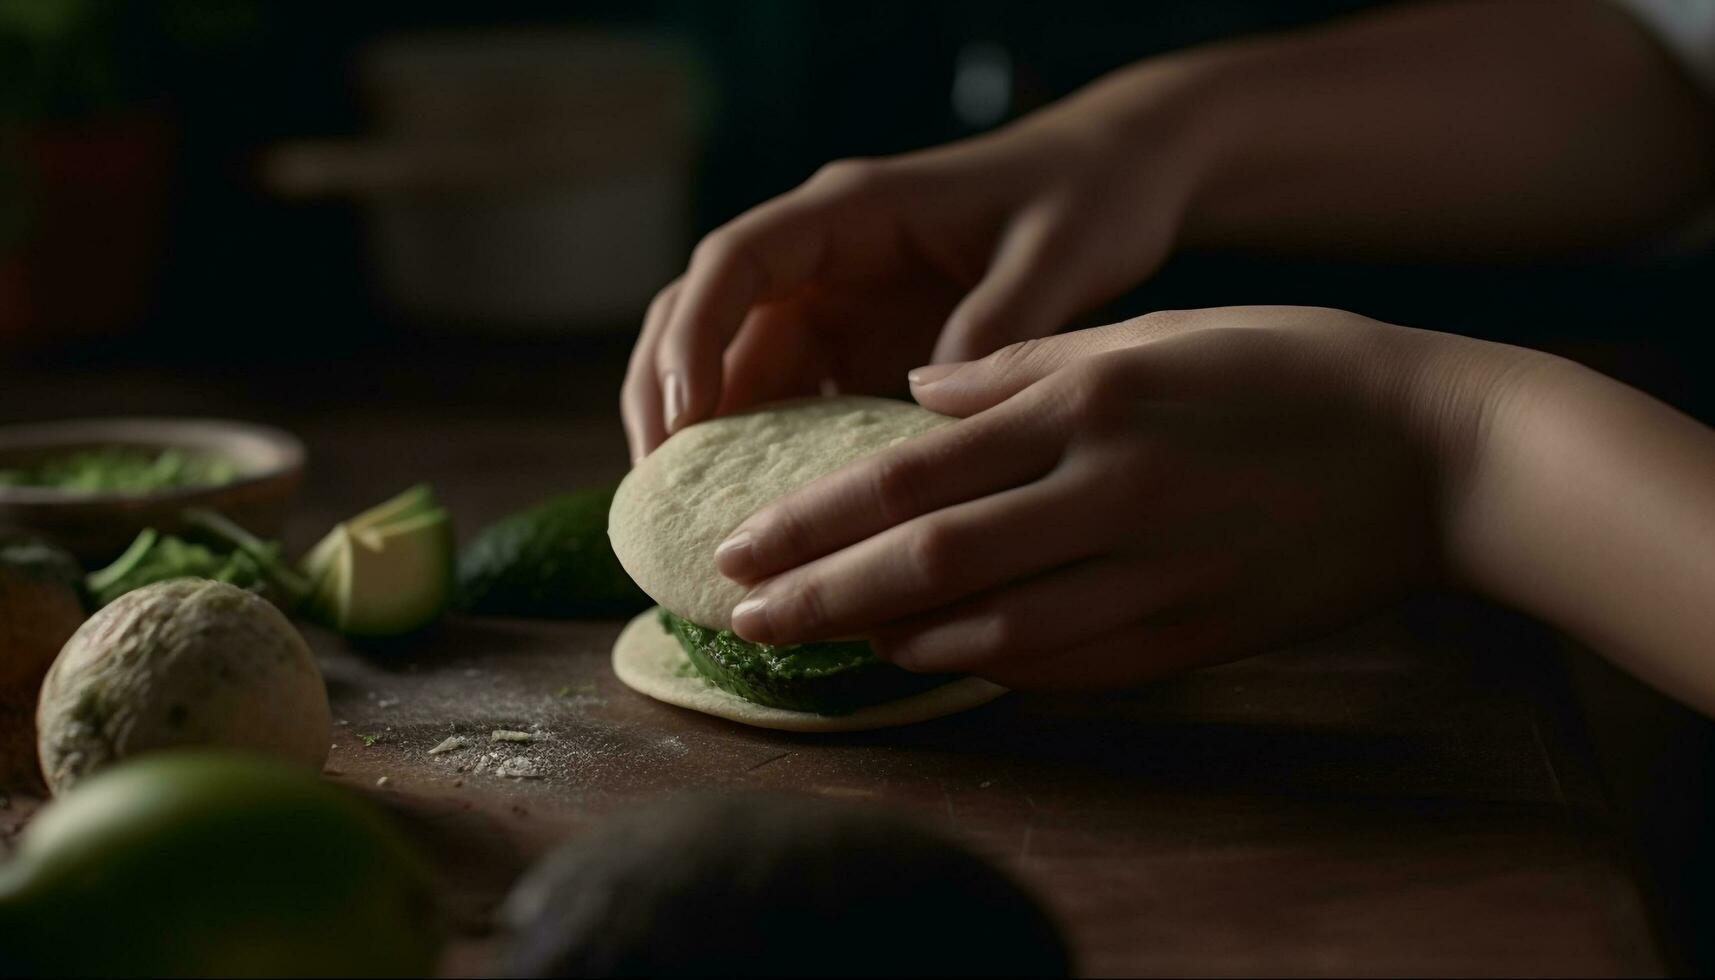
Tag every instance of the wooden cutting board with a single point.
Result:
(1378, 802)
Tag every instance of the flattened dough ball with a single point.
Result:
(180, 663)
(682, 500)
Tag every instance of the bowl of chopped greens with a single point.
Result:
(95, 484)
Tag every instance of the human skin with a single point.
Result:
(1461, 130)
(1191, 487)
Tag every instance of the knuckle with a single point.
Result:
(898, 488)
(850, 175)
(1001, 633)
(781, 536)
(1096, 392)
(933, 554)
(659, 305)
(720, 249)
(1016, 356)
(907, 652)
(808, 612)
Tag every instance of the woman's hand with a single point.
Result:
(1175, 490)
(874, 266)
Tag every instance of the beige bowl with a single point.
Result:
(96, 526)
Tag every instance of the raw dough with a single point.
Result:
(683, 499)
(649, 661)
(186, 662)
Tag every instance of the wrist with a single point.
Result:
(1144, 138)
(1467, 406)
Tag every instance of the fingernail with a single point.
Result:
(928, 374)
(747, 616)
(733, 555)
(673, 402)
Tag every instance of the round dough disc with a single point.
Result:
(677, 505)
(649, 661)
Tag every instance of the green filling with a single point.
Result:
(123, 468)
(824, 678)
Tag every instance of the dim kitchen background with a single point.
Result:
(191, 177)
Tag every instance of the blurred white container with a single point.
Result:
(517, 180)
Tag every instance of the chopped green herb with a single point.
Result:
(128, 469)
(369, 739)
(156, 557)
(237, 558)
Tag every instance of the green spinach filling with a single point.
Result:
(127, 469)
(824, 678)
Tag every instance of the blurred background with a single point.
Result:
(190, 179)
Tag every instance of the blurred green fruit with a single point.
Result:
(212, 863)
(552, 560)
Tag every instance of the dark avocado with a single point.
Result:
(552, 560)
(826, 678)
(752, 885)
(208, 863)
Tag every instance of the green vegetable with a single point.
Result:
(386, 572)
(551, 560)
(290, 589)
(209, 863)
(242, 560)
(125, 469)
(155, 557)
(825, 678)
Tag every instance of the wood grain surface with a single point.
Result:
(1411, 796)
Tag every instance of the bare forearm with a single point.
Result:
(1451, 130)
(1592, 506)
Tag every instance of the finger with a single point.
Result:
(931, 561)
(763, 254)
(975, 386)
(774, 356)
(1125, 657)
(640, 397)
(945, 466)
(1027, 291)
(1044, 615)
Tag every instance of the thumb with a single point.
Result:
(1024, 293)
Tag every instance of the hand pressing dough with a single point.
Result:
(677, 505)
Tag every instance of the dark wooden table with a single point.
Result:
(1412, 796)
